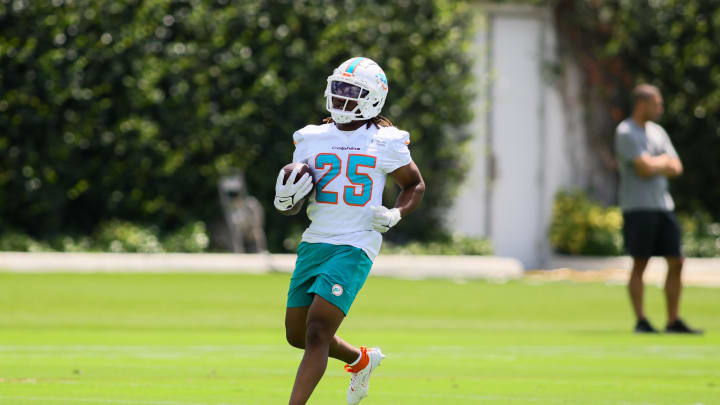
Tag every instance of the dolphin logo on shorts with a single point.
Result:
(337, 290)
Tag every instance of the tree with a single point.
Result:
(670, 44)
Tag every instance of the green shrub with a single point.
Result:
(134, 110)
(582, 227)
(67, 243)
(293, 237)
(701, 236)
(13, 241)
(192, 238)
(121, 236)
(455, 245)
(115, 236)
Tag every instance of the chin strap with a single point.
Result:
(341, 118)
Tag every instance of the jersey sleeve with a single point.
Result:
(396, 153)
(302, 149)
(669, 148)
(627, 147)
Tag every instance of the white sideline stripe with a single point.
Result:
(133, 348)
(681, 350)
(417, 395)
(480, 397)
(505, 398)
(107, 401)
(455, 396)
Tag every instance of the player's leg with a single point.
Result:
(295, 321)
(671, 248)
(639, 228)
(669, 245)
(673, 287)
(313, 259)
(636, 287)
(361, 362)
(339, 285)
(339, 273)
(323, 320)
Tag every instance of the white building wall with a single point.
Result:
(469, 214)
(528, 138)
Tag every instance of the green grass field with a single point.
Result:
(219, 339)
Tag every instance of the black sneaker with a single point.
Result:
(680, 327)
(643, 326)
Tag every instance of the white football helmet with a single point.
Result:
(360, 80)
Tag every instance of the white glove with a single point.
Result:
(290, 193)
(384, 219)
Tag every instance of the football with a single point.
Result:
(304, 168)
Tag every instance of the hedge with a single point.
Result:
(132, 110)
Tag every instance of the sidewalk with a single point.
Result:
(405, 266)
(696, 271)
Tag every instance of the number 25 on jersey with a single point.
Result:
(350, 195)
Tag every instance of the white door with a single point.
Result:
(515, 137)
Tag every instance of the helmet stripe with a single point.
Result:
(353, 65)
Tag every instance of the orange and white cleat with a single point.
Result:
(360, 374)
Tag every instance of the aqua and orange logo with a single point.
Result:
(382, 81)
(350, 71)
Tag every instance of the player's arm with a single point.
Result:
(412, 186)
(664, 165)
(675, 167)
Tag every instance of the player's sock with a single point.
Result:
(361, 362)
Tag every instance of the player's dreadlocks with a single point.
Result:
(378, 121)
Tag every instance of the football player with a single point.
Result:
(350, 156)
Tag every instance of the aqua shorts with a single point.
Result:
(334, 272)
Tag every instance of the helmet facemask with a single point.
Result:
(339, 101)
(358, 81)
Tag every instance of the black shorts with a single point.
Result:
(652, 233)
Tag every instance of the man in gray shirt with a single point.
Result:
(646, 160)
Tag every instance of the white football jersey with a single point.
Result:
(349, 169)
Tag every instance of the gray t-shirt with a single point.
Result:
(642, 193)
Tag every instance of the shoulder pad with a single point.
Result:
(309, 131)
(393, 134)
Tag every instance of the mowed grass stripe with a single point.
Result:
(99, 401)
(213, 339)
